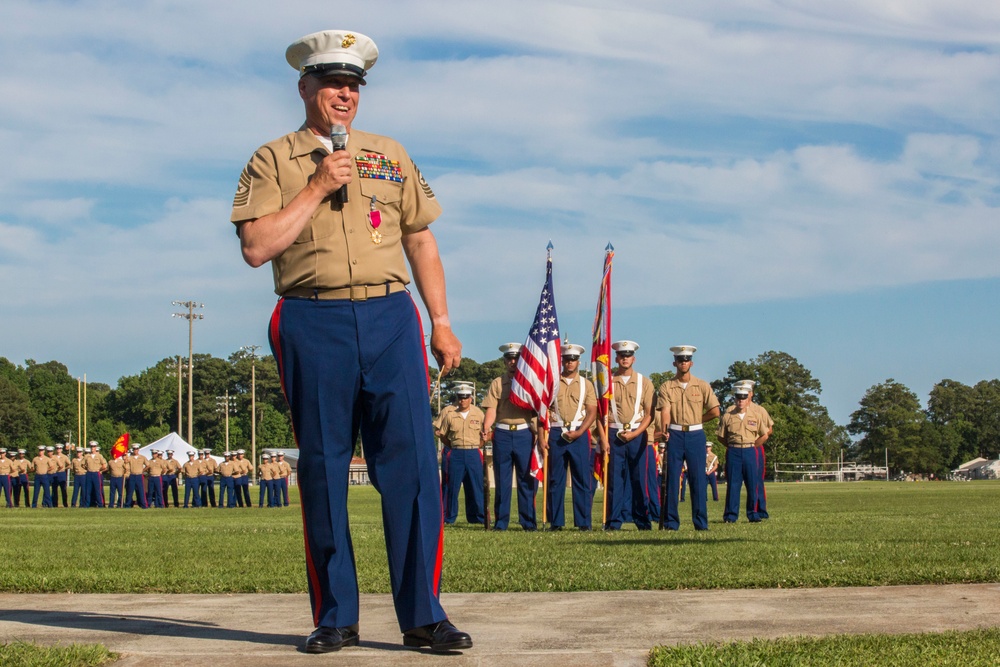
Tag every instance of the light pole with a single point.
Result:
(179, 374)
(252, 351)
(225, 403)
(190, 316)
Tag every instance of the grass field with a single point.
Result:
(23, 654)
(856, 534)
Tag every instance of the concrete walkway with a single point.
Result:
(586, 629)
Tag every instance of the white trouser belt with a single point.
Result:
(625, 427)
(567, 427)
(742, 446)
(511, 427)
(686, 427)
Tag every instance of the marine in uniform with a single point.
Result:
(686, 403)
(761, 458)
(154, 480)
(284, 472)
(42, 466)
(211, 467)
(170, 478)
(265, 480)
(461, 433)
(60, 473)
(135, 492)
(513, 430)
(632, 464)
(742, 429)
(227, 484)
(22, 465)
(79, 477)
(242, 481)
(117, 469)
(94, 464)
(335, 220)
(192, 476)
(6, 470)
(574, 410)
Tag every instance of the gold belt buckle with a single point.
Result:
(359, 292)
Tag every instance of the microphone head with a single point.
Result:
(338, 137)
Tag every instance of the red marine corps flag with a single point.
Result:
(534, 383)
(600, 359)
(120, 448)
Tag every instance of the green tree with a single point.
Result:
(890, 418)
(146, 400)
(18, 422)
(53, 398)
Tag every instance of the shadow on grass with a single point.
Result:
(665, 541)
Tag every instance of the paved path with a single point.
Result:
(508, 628)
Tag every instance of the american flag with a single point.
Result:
(534, 382)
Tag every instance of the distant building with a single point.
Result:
(978, 468)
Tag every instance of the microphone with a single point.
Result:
(338, 137)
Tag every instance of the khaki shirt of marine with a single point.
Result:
(227, 468)
(755, 423)
(92, 463)
(462, 432)
(210, 465)
(173, 466)
(191, 469)
(284, 470)
(77, 466)
(687, 406)
(335, 249)
(6, 467)
(243, 467)
(625, 397)
(117, 467)
(265, 471)
(136, 464)
(42, 465)
(499, 397)
(156, 467)
(568, 399)
(62, 462)
(22, 465)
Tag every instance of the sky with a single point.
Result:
(819, 178)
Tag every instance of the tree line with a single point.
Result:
(38, 405)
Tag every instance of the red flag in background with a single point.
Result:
(120, 448)
(600, 352)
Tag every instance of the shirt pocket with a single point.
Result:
(388, 198)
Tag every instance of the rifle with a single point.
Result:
(663, 486)
(486, 484)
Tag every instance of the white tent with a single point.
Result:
(175, 443)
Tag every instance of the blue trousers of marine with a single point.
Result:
(512, 456)
(116, 495)
(266, 489)
(22, 484)
(59, 486)
(43, 482)
(359, 366)
(575, 456)
(633, 467)
(464, 468)
(227, 492)
(154, 491)
(170, 488)
(191, 487)
(243, 491)
(761, 493)
(283, 485)
(686, 446)
(203, 489)
(135, 493)
(210, 487)
(7, 489)
(92, 490)
(77, 500)
(741, 470)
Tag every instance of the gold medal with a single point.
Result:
(376, 236)
(375, 219)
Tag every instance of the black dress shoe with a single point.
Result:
(324, 640)
(441, 636)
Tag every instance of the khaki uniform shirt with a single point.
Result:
(117, 467)
(568, 400)
(6, 467)
(744, 432)
(210, 465)
(687, 405)
(192, 469)
(173, 466)
(156, 467)
(22, 466)
(265, 471)
(499, 397)
(95, 462)
(227, 468)
(625, 389)
(336, 249)
(285, 470)
(77, 466)
(136, 464)
(42, 465)
(243, 466)
(462, 432)
(61, 462)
